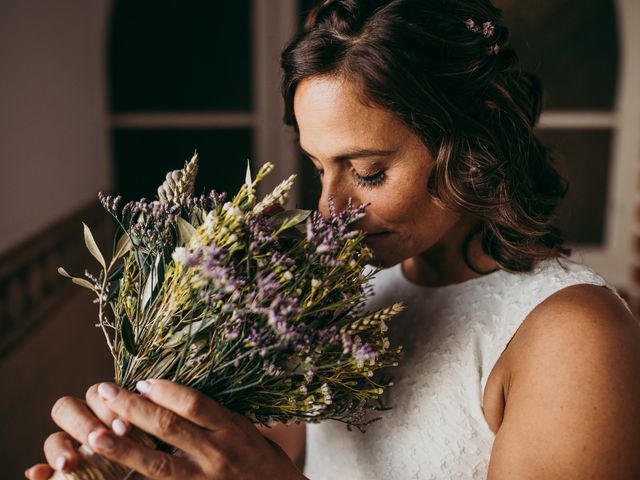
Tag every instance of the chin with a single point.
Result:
(384, 258)
(385, 252)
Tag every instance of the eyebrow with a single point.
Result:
(358, 153)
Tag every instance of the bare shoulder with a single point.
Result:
(573, 391)
(574, 322)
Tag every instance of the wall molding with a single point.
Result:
(30, 285)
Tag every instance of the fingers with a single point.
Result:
(152, 418)
(60, 451)
(152, 464)
(74, 416)
(104, 413)
(41, 471)
(187, 403)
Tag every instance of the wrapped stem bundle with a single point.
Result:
(260, 308)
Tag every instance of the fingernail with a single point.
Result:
(119, 427)
(26, 472)
(107, 390)
(143, 386)
(61, 462)
(102, 442)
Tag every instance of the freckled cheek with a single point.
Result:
(417, 218)
(402, 206)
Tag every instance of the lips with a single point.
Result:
(373, 238)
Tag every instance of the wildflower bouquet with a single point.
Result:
(260, 308)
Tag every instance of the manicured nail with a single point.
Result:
(143, 387)
(118, 427)
(61, 462)
(107, 390)
(102, 442)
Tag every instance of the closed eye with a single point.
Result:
(364, 181)
(370, 181)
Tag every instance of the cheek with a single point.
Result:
(413, 213)
(405, 201)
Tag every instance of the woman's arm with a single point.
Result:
(573, 398)
(291, 438)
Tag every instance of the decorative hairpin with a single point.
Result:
(487, 29)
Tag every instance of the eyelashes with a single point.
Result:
(369, 181)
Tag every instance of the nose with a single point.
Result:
(334, 191)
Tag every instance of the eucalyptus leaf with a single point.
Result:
(92, 246)
(78, 281)
(126, 333)
(113, 290)
(63, 272)
(143, 261)
(185, 231)
(288, 218)
(116, 274)
(83, 283)
(123, 246)
(296, 233)
(155, 278)
(190, 331)
(158, 370)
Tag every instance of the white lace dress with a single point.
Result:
(452, 337)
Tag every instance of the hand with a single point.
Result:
(216, 443)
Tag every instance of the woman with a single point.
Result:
(518, 364)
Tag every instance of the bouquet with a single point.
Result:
(258, 307)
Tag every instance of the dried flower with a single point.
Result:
(260, 308)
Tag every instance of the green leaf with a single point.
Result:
(296, 233)
(116, 274)
(126, 333)
(288, 218)
(112, 291)
(156, 275)
(78, 281)
(190, 330)
(185, 231)
(92, 246)
(159, 369)
(144, 264)
(122, 247)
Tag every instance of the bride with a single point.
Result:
(519, 363)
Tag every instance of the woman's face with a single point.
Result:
(368, 154)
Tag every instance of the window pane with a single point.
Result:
(191, 55)
(582, 159)
(571, 45)
(143, 157)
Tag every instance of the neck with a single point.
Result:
(443, 264)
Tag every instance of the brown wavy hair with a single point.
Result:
(445, 68)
